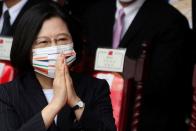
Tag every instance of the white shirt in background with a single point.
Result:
(13, 11)
(130, 13)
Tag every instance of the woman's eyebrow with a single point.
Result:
(41, 37)
(64, 34)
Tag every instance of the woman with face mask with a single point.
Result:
(45, 96)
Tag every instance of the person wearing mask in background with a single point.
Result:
(45, 95)
(166, 98)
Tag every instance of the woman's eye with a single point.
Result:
(62, 39)
(43, 42)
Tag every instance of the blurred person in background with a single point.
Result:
(10, 13)
(166, 98)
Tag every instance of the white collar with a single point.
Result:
(48, 90)
(14, 10)
(131, 8)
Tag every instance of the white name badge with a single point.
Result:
(5, 47)
(110, 59)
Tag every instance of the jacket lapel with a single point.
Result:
(137, 25)
(34, 95)
(33, 92)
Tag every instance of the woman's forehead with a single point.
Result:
(52, 27)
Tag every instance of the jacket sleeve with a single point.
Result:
(97, 115)
(9, 120)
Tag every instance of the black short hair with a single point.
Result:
(28, 28)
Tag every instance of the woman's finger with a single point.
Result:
(66, 67)
(60, 66)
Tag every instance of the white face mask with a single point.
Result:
(44, 59)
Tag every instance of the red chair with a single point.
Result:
(6, 72)
(118, 89)
(126, 91)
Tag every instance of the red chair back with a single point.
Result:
(6, 72)
(126, 91)
(118, 89)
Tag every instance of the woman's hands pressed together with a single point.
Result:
(64, 93)
(59, 83)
